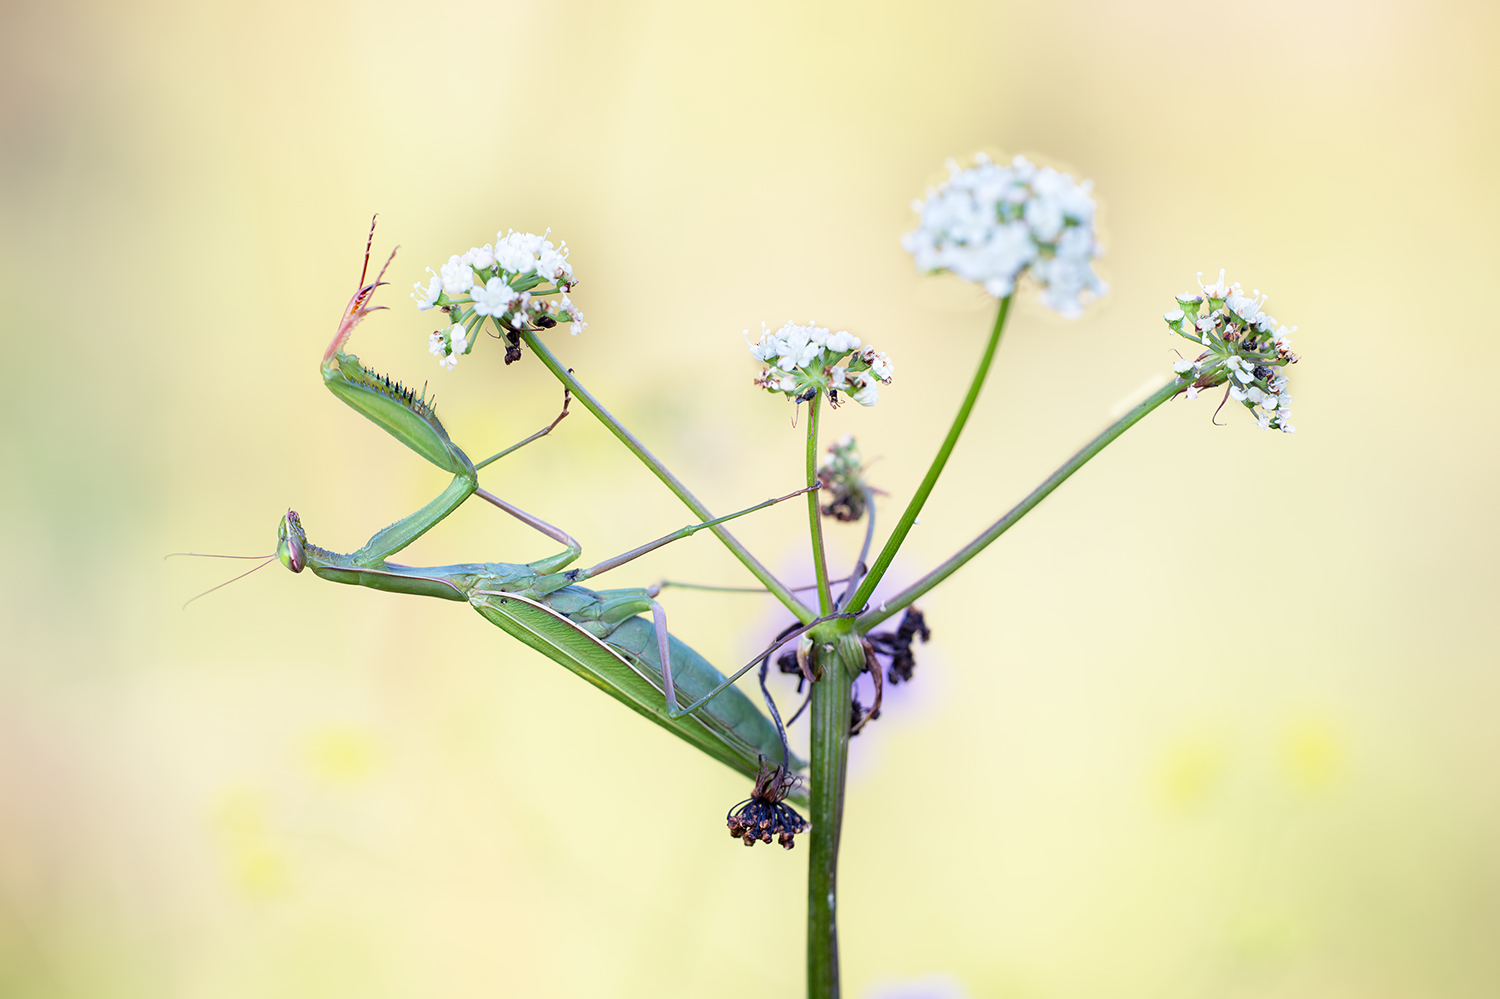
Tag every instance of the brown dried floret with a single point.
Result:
(764, 815)
(897, 644)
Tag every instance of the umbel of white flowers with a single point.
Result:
(1243, 346)
(990, 224)
(522, 282)
(803, 360)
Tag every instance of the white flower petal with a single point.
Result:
(458, 277)
(427, 297)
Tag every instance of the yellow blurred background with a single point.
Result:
(1219, 719)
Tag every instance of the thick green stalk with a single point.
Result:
(800, 610)
(815, 522)
(903, 599)
(831, 694)
(914, 508)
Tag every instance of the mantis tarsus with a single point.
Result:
(599, 635)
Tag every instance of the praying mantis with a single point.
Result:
(598, 635)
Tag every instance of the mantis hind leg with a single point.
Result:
(664, 650)
(674, 707)
(617, 606)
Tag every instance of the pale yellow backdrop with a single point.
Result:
(1220, 719)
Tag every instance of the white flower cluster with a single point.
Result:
(520, 283)
(990, 223)
(1244, 346)
(804, 360)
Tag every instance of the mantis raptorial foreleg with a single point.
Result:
(410, 419)
(392, 539)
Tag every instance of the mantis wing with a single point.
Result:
(694, 676)
(568, 645)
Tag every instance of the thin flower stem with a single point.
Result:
(830, 757)
(914, 508)
(801, 611)
(831, 694)
(855, 574)
(907, 596)
(815, 522)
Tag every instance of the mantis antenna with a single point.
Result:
(267, 559)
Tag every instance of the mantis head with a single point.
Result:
(291, 542)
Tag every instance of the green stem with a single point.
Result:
(914, 508)
(830, 758)
(802, 612)
(903, 599)
(815, 522)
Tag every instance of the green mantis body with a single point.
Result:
(599, 635)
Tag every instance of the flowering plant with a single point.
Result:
(1000, 226)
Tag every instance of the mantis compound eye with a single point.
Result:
(289, 542)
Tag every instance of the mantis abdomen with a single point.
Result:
(621, 658)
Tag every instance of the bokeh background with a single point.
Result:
(1219, 719)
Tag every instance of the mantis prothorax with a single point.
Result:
(597, 634)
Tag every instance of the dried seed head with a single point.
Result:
(787, 663)
(764, 816)
(858, 718)
(897, 644)
(841, 474)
